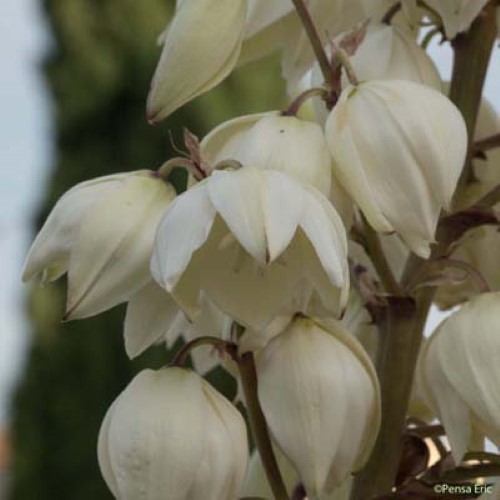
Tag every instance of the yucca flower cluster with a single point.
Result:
(303, 258)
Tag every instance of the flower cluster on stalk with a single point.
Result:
(273, 253)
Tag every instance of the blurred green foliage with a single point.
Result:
(98, 73)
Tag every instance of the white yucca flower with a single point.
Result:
(201, 47)
(271, 141)
(101, 233)
(170, 434)
(320, 396)
(460, 373)
(398, 149)
(254, 242)
(457, 15)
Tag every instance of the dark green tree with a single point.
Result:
(98, 74)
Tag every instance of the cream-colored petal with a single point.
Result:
(353, 179)
(325, 230)
(457, 15)
(223, 141)
(181, 232)
(291, 145)
(238, 285)
(201, 48)
(158, 441)
(150, 314)
(105, 464)
(233, 429)
(237, 196)
(452, 410)
(49, 253)
(110, 257)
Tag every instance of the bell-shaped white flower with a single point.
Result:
(171, 435)
(269, 141)
(391, 53)
(399, 148)
(254, 242)
(460, 373)
(457, 15)
(201, 47)
(101, 233)
(320, 396)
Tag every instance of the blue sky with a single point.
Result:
(25, 158)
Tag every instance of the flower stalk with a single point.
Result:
(248, 373)
(314, 38)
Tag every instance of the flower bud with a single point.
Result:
(101, 233)
(457, 15)
(320, 396)
(460, 373)
(398, 149)
(171, 435)
(201, 48)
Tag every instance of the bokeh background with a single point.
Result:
(73, 81)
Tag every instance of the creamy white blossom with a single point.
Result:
(101, 233)
(398, 149)
(270, 141)
(460, 373)
(457, 15)
(254, 242)
(320, 396)
(201, 47)
(169, 434)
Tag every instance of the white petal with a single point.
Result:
(154, 451)
(224, 140)
(110, 257)
(237, 196)
(325, 230)
(236, 283)
(182, 231)
(291, 145)
(452, 410)
(201, 48)
(50, 251)
(150, 314)
(103, 452)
